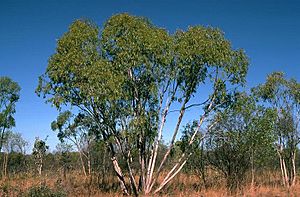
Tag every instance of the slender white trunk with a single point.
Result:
(170, 177)
(281, 169)
(82, 163)
(294, 169)
(4, 165)
(120, 175)
(127, 159)
(182, 160)
(131, 177)
(252, 170)
(40, 167)
(286, 178)
(150, 181)
(89, 166)
(153, 155)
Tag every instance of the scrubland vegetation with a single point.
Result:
(117, 89)
(24, 180)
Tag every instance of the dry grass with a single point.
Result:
(183, 185)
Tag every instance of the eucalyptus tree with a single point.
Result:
(283, 95)
(9, 96)
(64, 150)
(13, 142)
(242, 135)
(80, 132)
(130, 75)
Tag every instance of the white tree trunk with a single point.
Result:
(120, 175)
(294, 173)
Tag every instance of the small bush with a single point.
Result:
(45, 191)
(7, 190)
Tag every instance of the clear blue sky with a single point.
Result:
(269, 31)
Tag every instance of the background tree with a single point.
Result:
(127, 77)
(9, 95)
(12, 143)
(64, 150)
(242, 133)
(39, 151)
(79, 132)
(198, 163)
(283, 95)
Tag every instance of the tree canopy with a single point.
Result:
(9, 95)
(283, 96)
(126, 76)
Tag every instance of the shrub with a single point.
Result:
(6, 190)
(45, 191)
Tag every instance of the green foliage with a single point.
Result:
(7, 190)
(17, 163)
(9, 95)
(76, 129)
(200, 49)
(64, 149)
(187, 133)
(63, 125)
(44, 191)
(282, 96)
(120, 76)
(242, 133)
(39, 151)
(14, 142)
(120, 72)
(77, 64)
(198, 162)
(278, 91)
(39, 147)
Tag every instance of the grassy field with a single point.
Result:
(53, 185)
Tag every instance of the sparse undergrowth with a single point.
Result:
(45, 191)
(183, 185)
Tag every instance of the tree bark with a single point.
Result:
(4, 165)
(282, 170)
(40, 167)
(293, 181)
(150, 181)
(153, 156)
(286, 178)
(82, 163)
(120, 176)
(252, 170)
(183, 159)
